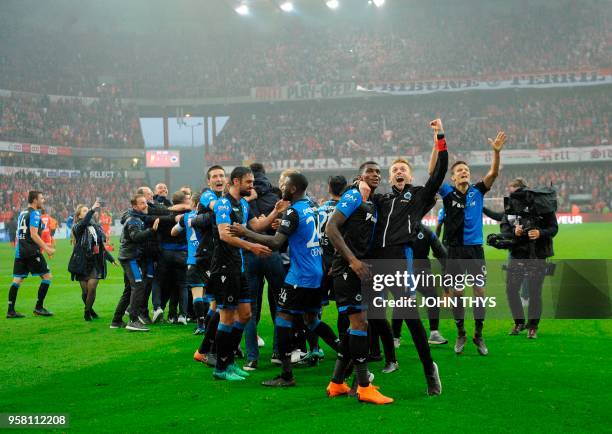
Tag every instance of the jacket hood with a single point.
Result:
(262, 184)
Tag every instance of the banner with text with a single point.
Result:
(476, 158)
(513, 81)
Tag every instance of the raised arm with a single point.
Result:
(497, 146)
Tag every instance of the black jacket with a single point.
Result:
(543, 246)
(162, 200)
(267, 196)
(399, 212)
(134, 236)
(424, 241)
(83, 258)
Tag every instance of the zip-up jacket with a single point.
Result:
(134, 236)
(400, 211)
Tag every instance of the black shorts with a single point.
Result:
(349, 297)
(466, 260)
(197, 275)
(230, 288)
(297, 300)
(34, 265)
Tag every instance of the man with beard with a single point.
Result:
(228, 275)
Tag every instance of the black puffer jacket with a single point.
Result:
(134, 236)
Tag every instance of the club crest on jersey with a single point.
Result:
(408, 195)
(230, 298)
(471, 194)
(358, 297)
(420, 236)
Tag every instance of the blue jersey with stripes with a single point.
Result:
(193, 237)
(301, 224)
(28, 219)
(463, 214)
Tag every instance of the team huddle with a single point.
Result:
(205, 256)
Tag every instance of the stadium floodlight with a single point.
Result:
(243, 9)
(332, 4)
(286, 6)
(379, 3)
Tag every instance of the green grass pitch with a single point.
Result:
(116, 381)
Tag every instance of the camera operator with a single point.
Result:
(531, 233)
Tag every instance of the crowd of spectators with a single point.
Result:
(62, 195)
(196, 58)
(105, 122)
(370, 128)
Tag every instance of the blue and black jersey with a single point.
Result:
(357, 230)
(463, 214)
(300, 223)
(325, 211)
(192, 235)
(28, 219)
(228, 210)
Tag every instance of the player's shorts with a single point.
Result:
(466, 260)
(230, 288)
(296, 300)
(196, 276)
(349, 297)
(34, 265)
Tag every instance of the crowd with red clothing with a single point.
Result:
(575, 117)
(63, 194)
(106, 122)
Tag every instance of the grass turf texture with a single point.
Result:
(116, 381)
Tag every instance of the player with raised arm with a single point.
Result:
(463, 208)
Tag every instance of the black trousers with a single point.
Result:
(533, 272)
(134, 291)
(169, 282)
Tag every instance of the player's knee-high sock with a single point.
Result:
(12, 296)
(225, 347)
(419, 337)
(42, 292)
(198, 308)
(325, 332)
(208, 343)
(459, 315)
(237, 331)
(299, 334)
(209, 315)
(383, 329)
(343, 325)
(284, 333)
(342, 360)
(358, 343)
(479, 316)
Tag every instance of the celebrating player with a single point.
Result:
(301, 292)
(28, 259)
(463, 204)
